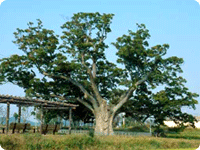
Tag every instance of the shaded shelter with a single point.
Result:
(43, 104)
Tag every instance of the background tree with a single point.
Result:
(162, 105)
(47, 115)
(3, 114)
(77, 69)
(15, 115)
(26, 113)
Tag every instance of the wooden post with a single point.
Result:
(19, 113)
(70, 119)
(60, 120)
(42, 115)
(7, 117)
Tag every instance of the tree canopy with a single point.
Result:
(73, 67)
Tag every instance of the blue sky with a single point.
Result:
(176, 22)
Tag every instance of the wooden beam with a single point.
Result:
(7, 117)
(3, 100)
(23, 100)
(66, 108)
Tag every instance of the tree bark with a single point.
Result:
(104, 120)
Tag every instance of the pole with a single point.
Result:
(7, 117)
(70, 119)
(19, 113)
(150, 126)
(151, 122)
(41, 117)
(108, 124)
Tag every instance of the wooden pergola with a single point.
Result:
(43, 104)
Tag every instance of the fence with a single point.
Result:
(64, 131)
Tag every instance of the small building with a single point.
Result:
(197, 124)
(172, 124)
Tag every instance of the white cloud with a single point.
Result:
(1, 1)
(198, 1)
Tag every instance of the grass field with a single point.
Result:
(187, 140)
(180, 149)
(75, 142)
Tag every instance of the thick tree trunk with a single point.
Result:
(104, 120)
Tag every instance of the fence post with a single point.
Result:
(19, 113)
(70, 119)
(41, 118)
(7, 117)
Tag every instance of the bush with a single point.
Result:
(9, 143)
(78, 128)
(177, 129)
(135, 128)
(141, 128)
(159, 132)
(91, 133)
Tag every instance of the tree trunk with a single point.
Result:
(104, 120)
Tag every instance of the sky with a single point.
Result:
(175, 22)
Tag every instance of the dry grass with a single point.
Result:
(73, 142)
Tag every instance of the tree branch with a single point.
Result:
(86, 94)
(85, 104)
(60, 97)
(78, 99)
(93, 84)
(94, 69)
(124, 98)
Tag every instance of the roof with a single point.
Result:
(198, 118)
(33, 102)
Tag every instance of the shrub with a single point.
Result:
(139, 128)
(177, 129)
(9, 143)
(91, 133)
(159, 132)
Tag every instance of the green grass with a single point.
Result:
(189, 134)
(186, 134)
(187, 140)
(180, 149)
(81, 142)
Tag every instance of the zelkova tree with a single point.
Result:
(77, 68)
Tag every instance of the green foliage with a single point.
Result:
(177, 129)
(91, 133)
(15, 115)
(140, 128)
(135, 128)
(159, 132)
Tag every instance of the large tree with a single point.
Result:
(74, 66)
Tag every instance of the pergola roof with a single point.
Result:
(33, 102)
(23, 101)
